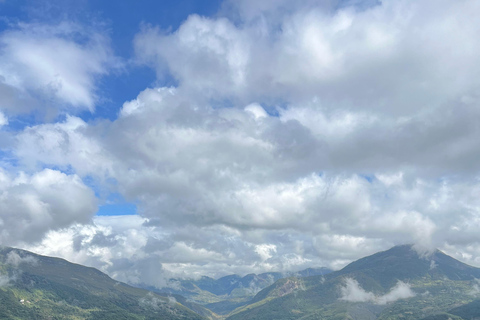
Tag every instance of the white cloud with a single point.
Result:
(3, 119)
(190, 166)
(256, 110)
(63, 144)
(265, 251)
(354, 293)
(14, 259)
(30, 205)
(377, 59)
(222, 54)
(400, 291)
(58, 63)
(475, 291)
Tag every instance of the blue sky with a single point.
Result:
(238, 136)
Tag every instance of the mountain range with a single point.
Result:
(227, 293)
(399, 283)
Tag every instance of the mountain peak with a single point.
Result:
(405, 262)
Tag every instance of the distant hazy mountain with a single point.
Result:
(38, 287)
(394, 284)
(230, 292)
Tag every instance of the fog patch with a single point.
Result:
(4, 281)
(150, 301)
(424, 250)
(353, 292)
(475, 288)
(258, 285)
(174, 284)
(252, 288)
(14, 259)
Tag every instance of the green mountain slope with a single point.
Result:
(394, 284)
(470, 311)
(38, 287)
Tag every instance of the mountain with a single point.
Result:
(404, 263)
(230, 292)
(38, 287)
(468, 311)
(395, 284)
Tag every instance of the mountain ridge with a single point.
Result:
(393, 281)
(41, 287)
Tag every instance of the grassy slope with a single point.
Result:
(53, 288)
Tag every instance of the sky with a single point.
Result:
(173, 139)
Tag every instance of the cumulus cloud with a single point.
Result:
(54, 63)
(368, 59)
(192, 168)
(116, 245)
(225, 159)
(353, 292)
(30, 205)
(63, 144)
(221, 59)
(265, 251)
